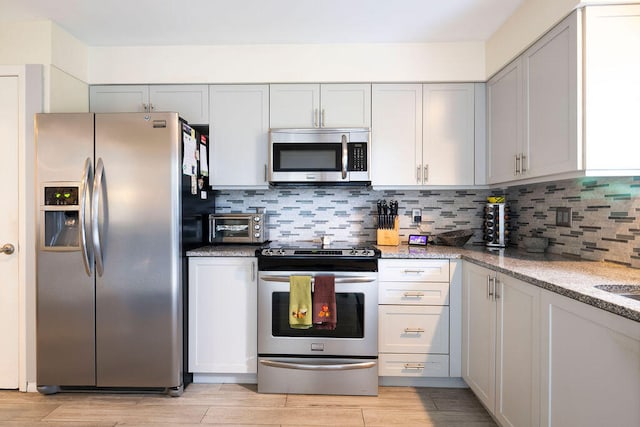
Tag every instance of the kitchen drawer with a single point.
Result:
(413, 365)
(413, 329)
(413, 270)
(413, 293)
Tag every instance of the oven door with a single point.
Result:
(356, 332)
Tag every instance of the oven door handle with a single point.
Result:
(311, 367)
(338, 279)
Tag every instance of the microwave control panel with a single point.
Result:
(357, 157)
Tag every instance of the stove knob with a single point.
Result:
(267, 252)
(354, 251)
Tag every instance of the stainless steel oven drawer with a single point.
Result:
(318, 376)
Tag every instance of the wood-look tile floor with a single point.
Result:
(241, 405)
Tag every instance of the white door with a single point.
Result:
(9, 341)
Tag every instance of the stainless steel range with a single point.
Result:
(339, 360)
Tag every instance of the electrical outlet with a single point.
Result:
(563, 217)
(416, 214)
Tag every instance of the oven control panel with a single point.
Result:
(298, 252)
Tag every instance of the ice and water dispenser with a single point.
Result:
(61, 217)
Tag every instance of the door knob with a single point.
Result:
(7, 249)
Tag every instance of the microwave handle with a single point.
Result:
(345, 156)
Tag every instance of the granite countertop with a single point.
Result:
(572, 278)
(565, 276)
(225, 250)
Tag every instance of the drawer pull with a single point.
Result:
(413, 294)
(413, 271)
(417, 366)
(414, 330)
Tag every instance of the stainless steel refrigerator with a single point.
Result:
(109, 285)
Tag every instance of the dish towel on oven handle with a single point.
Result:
(300, 302)
(324, 302)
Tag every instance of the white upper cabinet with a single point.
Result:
(423, 135)
(345, 105)
(550, 69)
(539, 125)
(396, 134)
(316, 105)
(505, 124)
(191, 102)
(448, 131)
(119, 98)
(239, 136)
(612, 89)
(532, 109)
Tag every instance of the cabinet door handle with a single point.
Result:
(413, 330)
(516, 170)
(523, 167)
(489, 288)
(418, 366)
(426, 173)
(322, 116)
(418, 174)
(265, 172)
(496, 295)
(413, 294)
(253, 271)
(315, 118)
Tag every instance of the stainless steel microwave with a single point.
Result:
(325, 155)
(237, 228)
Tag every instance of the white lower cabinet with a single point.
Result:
(501, 344)
(590, 365)
(413, 321)
(223, 315)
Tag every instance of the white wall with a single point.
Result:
(532, 19)
(64, 60)
(527, 24)
(288, 63)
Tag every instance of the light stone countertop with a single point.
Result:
(572, 278)
(565, 276)
(225, 250)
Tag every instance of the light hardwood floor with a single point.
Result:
(240, 405)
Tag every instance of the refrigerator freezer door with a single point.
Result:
(65, 289)
(138, 295)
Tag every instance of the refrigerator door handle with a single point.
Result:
(95, 210)
(85, 226)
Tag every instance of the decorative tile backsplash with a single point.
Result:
(605, 214)
(605, 217)
(348, 215)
